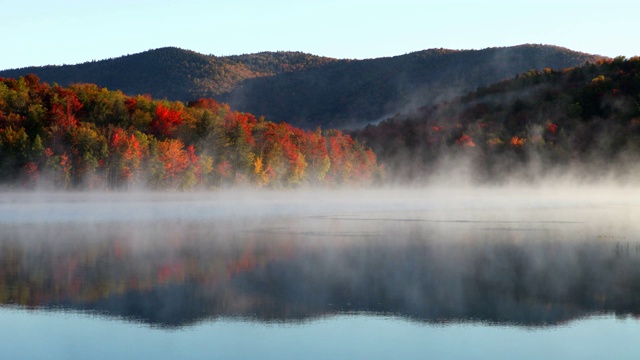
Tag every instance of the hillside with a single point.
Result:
(352, 94)
(173, 73)
(307, 90)
(540, 123)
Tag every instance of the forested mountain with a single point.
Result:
(352, 94)
(173, 73)
(537, 124)
(84, 136)
(307, 90)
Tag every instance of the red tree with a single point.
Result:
(165, 121)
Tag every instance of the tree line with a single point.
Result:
(87, 137)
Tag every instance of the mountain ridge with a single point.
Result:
(309, 90)
(188, 83)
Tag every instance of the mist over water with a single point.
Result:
(447, 271)
(519, 256)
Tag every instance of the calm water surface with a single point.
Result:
(334, 274)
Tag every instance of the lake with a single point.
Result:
(358, 274)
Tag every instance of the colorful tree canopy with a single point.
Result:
(85, 136)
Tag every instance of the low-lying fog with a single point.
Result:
(452, 203)
(528, 256)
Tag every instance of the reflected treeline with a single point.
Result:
(175, 274)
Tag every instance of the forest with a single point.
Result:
(540, 123)
(87, 137)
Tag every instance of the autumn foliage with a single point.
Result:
(534, 125)
(85, 136)
(165, 121)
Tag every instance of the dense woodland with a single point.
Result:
(539, 123)
(85, 136)
(307, 90)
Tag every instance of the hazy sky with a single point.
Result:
(40, 32)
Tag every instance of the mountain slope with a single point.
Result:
(348, 94)
(173, 73)
(308, 90)
(536, 124)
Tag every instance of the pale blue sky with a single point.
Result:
(41, 32)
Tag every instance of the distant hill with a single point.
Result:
(538, 124)
(308, 90)
(351, 94)
(173, 73)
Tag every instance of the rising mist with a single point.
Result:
(526, 256)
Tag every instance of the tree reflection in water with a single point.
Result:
(421, 267)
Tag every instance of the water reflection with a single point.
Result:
(534, 268)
